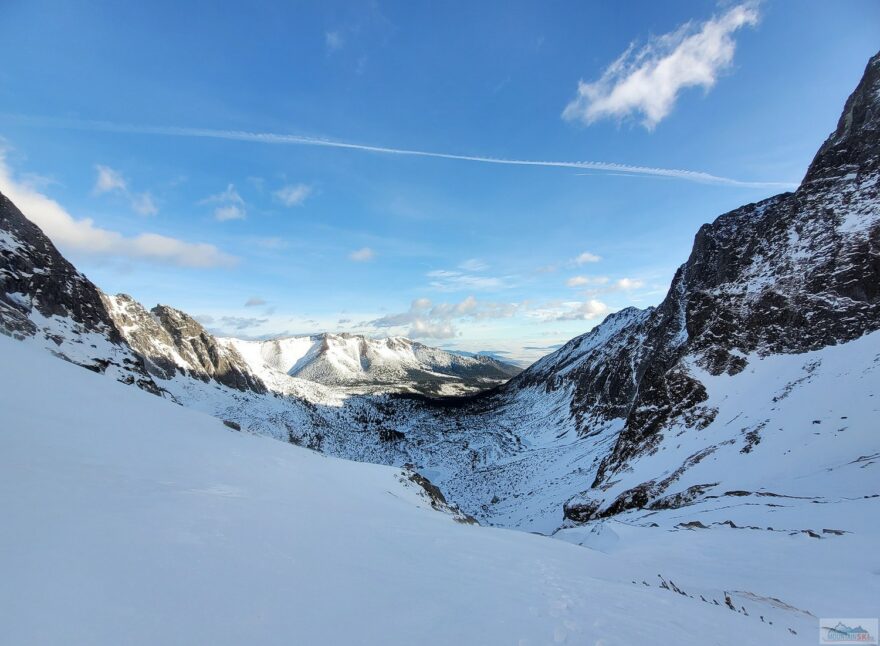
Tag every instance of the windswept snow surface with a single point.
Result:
(130, 520)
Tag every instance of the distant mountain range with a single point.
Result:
(365, 365)
(172, 342)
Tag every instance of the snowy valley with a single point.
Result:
(702, 471)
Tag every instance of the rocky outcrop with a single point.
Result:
(436, 497)
(45, 300)
(794, 273)
(171, 342)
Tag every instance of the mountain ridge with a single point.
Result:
(171, 342)
(368, 365)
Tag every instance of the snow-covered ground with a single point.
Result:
(128, 519)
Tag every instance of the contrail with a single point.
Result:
(299, 140)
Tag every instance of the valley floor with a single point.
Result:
(128, 519)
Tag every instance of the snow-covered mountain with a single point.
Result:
(171, 342)
(361, 364)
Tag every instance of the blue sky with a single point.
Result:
(179, 151)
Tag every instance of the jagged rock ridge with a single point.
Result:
(46, 301)
(172, 342)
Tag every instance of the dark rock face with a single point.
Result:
(201, 349)
(794, 273)
(44, 298)
(34, 268)
(438, 500)
(165, 338)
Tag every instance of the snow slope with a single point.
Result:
(128, 519)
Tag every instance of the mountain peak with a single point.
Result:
(855, 143)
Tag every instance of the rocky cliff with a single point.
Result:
(791, 274)
(171, 342)
(44, 300)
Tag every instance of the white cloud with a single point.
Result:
(627, 284)
(648, 79)
(228, 196)
(573, 311)
(334, 40)
(604, 285)
(84, 237)
(293, 194)
(231, 206)
(473, 264)
(586, 257)
(362, 255)
(578, 281)
(427, 320)
(422, 329)
(109, 180)
(229, 212)
(254, 301)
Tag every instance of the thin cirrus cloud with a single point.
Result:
(580, 281)
(230, 205)
(255, 301)
(586, 257)
(364, 254)
(446, 280)
(334, 40)
(84, 237)
(473, 264)
(647, 80)
(299, 140)
(293, 194)
(109, 180)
